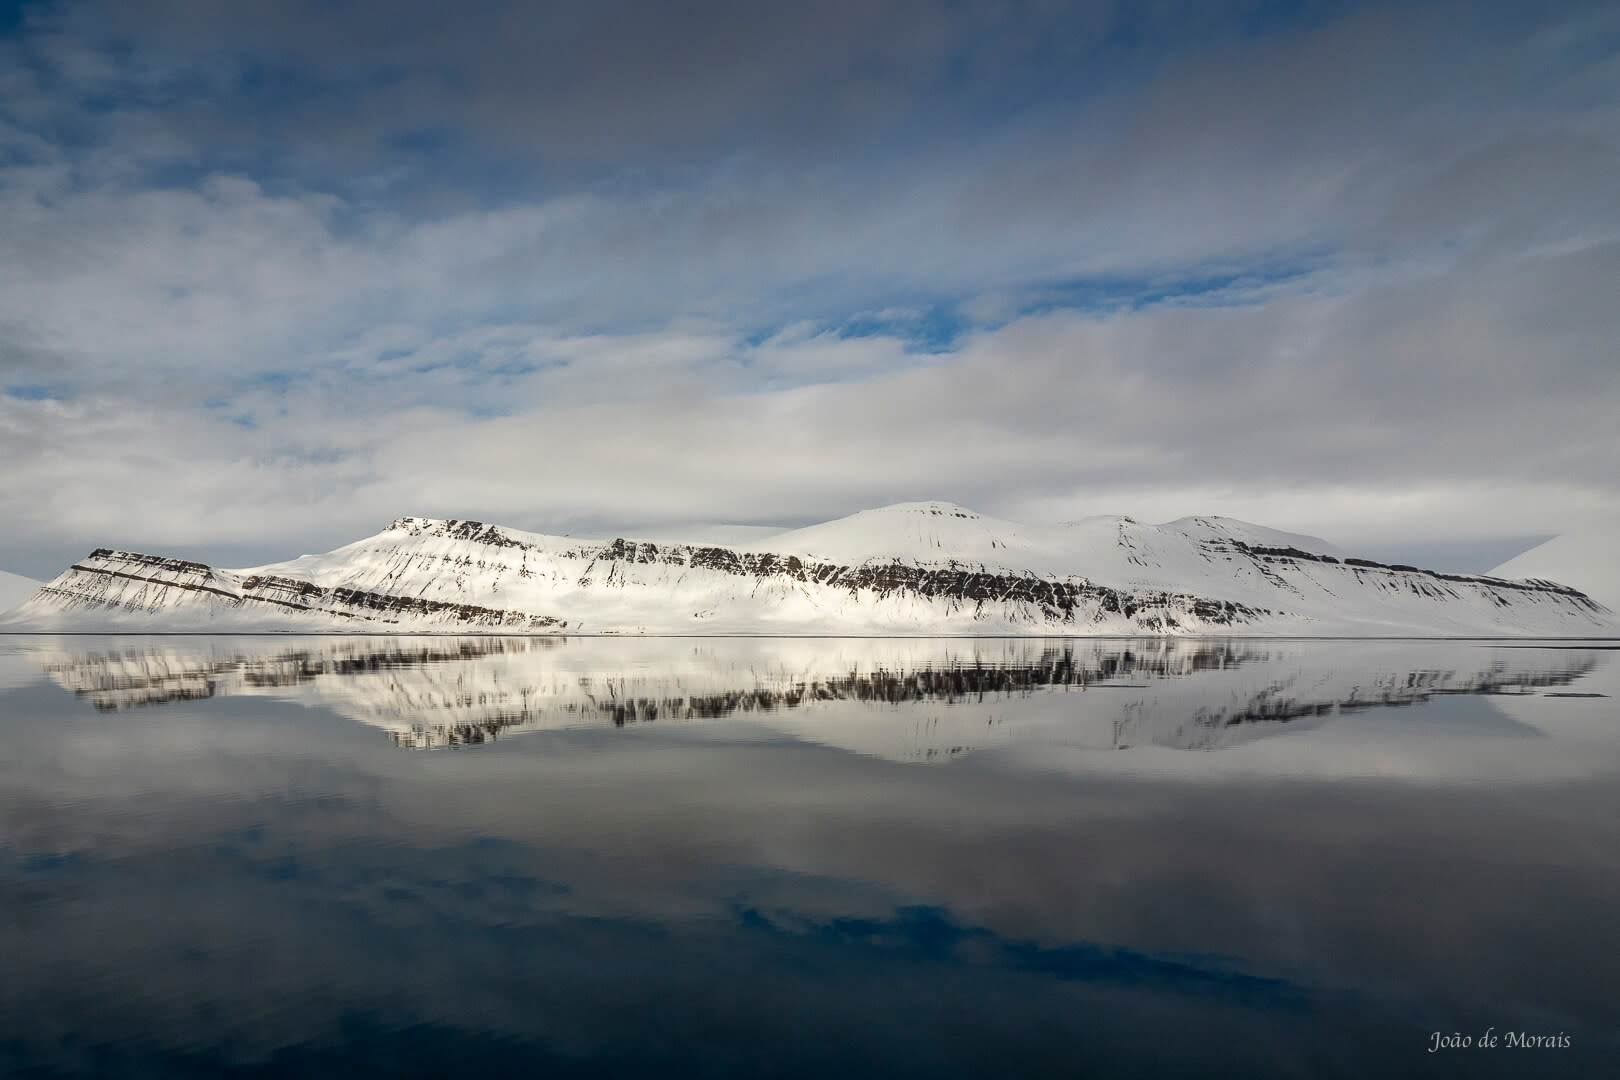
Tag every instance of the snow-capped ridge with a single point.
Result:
(458, 529)
(931, 532)
(911, 568)
(1216, 526)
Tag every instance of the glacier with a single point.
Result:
(927, 568)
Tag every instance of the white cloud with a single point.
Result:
(1403, 322)
(1298, 413)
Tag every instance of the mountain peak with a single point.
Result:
(930, 508)
(413, 524)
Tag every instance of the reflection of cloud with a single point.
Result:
(16, 670)
(346, 950)
(931, 933)
(267, 885)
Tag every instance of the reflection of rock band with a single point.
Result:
(460, 691)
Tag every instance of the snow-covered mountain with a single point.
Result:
(1590, 561)
(913, 568)
(14, 589)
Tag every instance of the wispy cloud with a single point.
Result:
(273, 274)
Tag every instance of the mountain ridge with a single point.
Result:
(912, 568)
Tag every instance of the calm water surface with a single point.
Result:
(805, 857)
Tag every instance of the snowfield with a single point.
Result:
(911, 569)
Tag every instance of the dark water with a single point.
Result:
(674, 857)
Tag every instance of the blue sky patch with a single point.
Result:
(37, 392)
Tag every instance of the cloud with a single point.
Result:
(1416, 416)
(275, 274)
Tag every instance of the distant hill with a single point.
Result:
(14, 589)
(1588, 561)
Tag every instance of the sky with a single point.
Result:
(275, 273)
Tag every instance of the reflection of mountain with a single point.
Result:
(1286, 702)
(467, 690)
(908, 700)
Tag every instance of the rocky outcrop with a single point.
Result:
(1059, 601)
(132, 583)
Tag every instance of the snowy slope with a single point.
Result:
(14, 589)
(1168, 556)
(1105, 549)
(926, 533)
(915, 568)
(1589, 561)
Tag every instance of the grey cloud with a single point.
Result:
(560, 81)
(335, 850)
(1401, 407)
(1415, 206)
(1517, 192)
(1382, 133)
